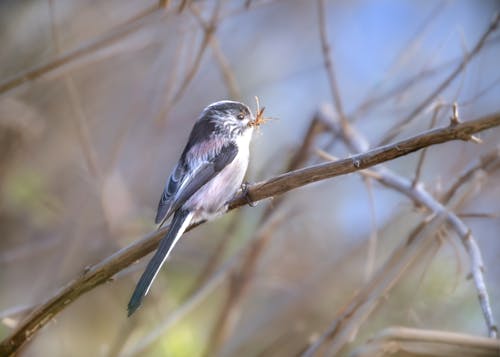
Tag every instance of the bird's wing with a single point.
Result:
(184, 182)
(178, 176)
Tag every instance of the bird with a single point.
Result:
(210, 171)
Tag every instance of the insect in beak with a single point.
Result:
(259, 118)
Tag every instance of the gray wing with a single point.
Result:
(184, 182)
(176, 179)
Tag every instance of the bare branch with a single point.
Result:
(396, 129)
(219, 56)
(411, 45)
(241, 278)
(225, 68)
(330, 70)
(103, 271)
(413, 81)
(419, 242)
(291, 180)
(81, 119)
(421, 158)
(426, 343)
(348, 321)
(488, 162)
(113, 35)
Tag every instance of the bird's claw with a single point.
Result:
(246, 194)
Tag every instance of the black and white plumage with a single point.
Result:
(209, 172)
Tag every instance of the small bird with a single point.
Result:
(208, 174)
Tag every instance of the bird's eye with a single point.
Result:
(240, 116)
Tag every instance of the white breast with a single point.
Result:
(210, 200)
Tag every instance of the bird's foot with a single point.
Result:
(246, 193)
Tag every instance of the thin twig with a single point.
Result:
(120, 31)
(488, 162)
(460, 228)
(225, 68)
(404, 53)
(426, 343)
(419, 242)
(227, 73)
(209, 268)
(477, 269)
(482, 92)
(479, 215)
(241, 279)
(421, 158)
(373, 238)
(345, 325)
(207, 34)
(182, 5)
(412, 81)
(329, 66)
(172, 78)
(348, 321)
(352, 144)
(81, 119)
(396, 129)
(103, 271)
(239, 284)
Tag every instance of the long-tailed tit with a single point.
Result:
(209, 172)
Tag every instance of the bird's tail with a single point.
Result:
(179, 224)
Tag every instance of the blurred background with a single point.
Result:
(88, 139)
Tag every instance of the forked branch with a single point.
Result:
(105, 270)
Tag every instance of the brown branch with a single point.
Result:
(82, 129)
(239, 283)
(225, 68)
(412, 81)
(410, 47)
(419, 242)
(488, 162)
(396, 129)
(426, 343)
(354, 145)
(479, 215)
(218, 253)
(113, 35)
(292, 180)
(222, 61)
(421, 158)
(106, 269)
(328, 61)
(208, 30)
(348, 321)
(241, 278)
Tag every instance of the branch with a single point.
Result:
(348, 320)
(241, 277)
(419, 242)
(208, 31)
(292, 180)
(115, 34)
(396, 129)
(106, 269)
(426, 343)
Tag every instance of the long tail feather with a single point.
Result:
(179, 224)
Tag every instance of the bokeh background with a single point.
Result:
(86, 147)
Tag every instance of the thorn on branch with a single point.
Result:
(454, 120)
(475, 139)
